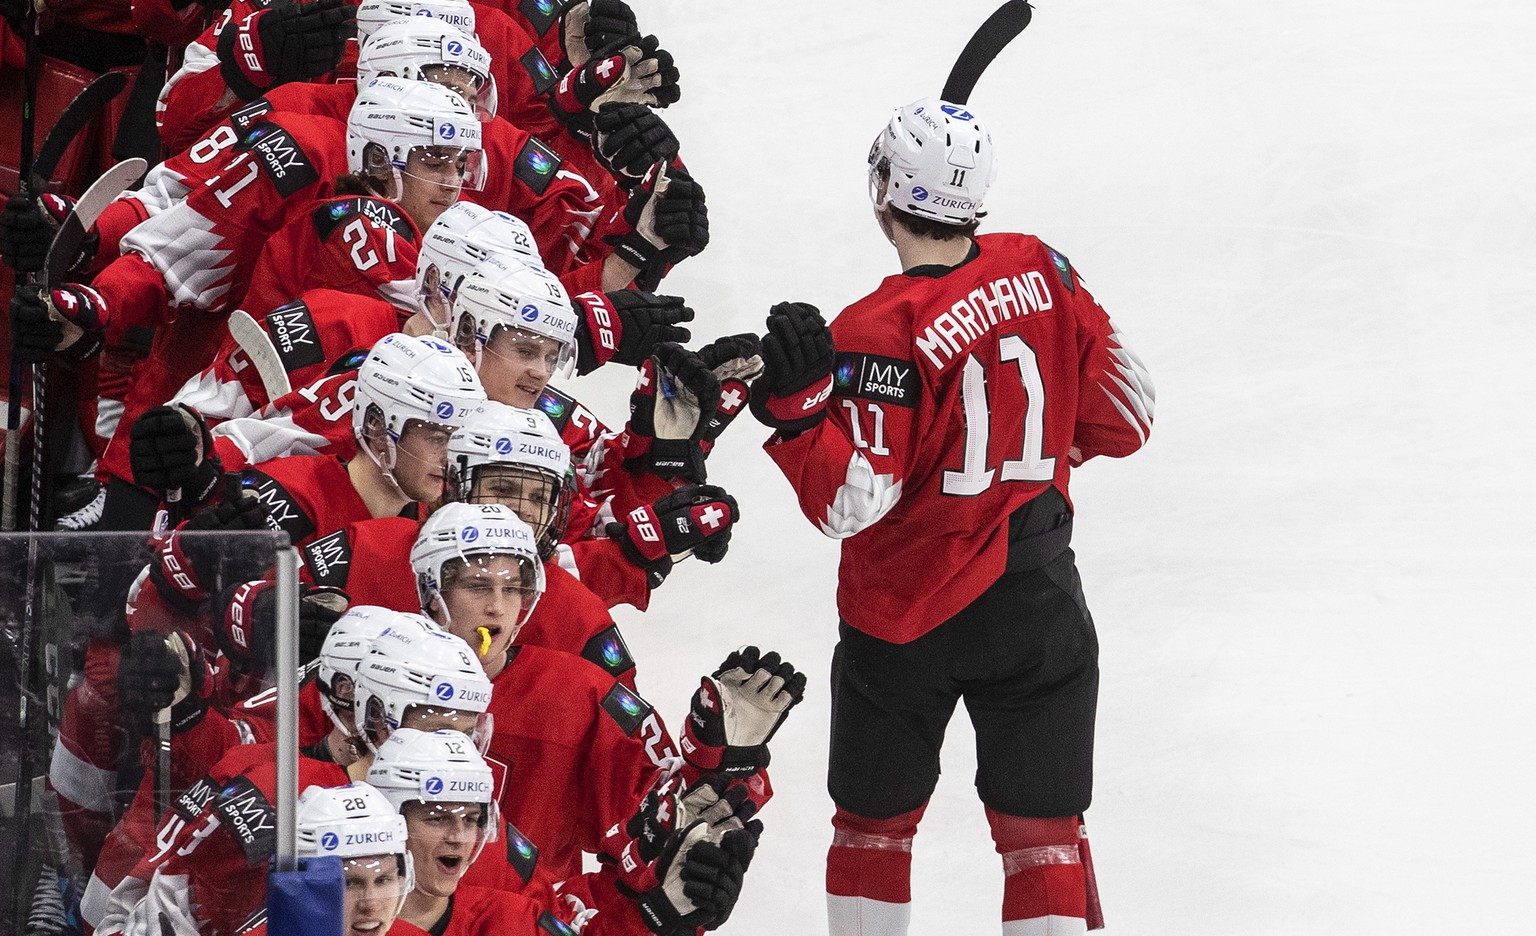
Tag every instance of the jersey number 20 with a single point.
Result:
(1032, 465)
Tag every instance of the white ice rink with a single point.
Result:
(1316, 222)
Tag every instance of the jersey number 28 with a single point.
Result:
(1032, 465)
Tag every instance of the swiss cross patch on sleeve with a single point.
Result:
(873, 377)
(329, 559)
(607, 649)
(522, 854)
(541, 14)
(295, 336)
(535, 166)
(280, 157)
(250, 818)
(539, 70)
(626, 707)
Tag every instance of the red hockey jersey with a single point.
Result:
(956, 398)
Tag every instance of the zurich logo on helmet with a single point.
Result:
(445, 691)
(469, 534)
(434, 785)
(329, 841)
(503, 446)
(959, 113)
(423, 12)
(447, 131)
(455, 47)
(919, 193)
(529, 312)
(445, 410)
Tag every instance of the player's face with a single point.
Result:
(373, 892)
(461, 81)
(530, 495)
(433, 718)
(421, 460)
(444, 840)
(489, 593)
(516, 366)
(431, 182)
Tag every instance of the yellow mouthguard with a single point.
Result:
(485, 640)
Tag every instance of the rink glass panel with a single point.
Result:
(63, 600)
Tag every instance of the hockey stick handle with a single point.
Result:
(999, 29)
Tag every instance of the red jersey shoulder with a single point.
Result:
(380, 548)
(292, 490)
(306, 97)
(484, 911)
(585, 694)
(315, 332)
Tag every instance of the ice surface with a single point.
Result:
(1315, 221)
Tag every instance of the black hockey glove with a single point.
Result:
(677, 525)
(589, 28)
(158, 670)
(185, 568)
(792, 394)
(633, 847)
(288, 41)
(630, 139)
(669, 220)
(171, 449)
(69, 321)
(674, 398)
(625, 326)
(737, 360)
(701, 879)
(28, 227)
(249, 622)
(737, 710)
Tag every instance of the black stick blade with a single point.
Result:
(91, 101)
(1006, 22)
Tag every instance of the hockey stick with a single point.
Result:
(1005, 22)
(31, 66)
(71, 236)
(257, 345)
(87, 105)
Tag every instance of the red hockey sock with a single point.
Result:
(869, 873)
(1044, 888)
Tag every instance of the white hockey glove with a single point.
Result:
(737, 710)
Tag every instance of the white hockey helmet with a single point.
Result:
(428, 49)
(353, 822)
(437, 767)
(393, 116)
(408, 378)
(413, 663)
(465, 238)
(523, 297)
(526, 447)
(372, 14)
(933, 160)
(457, 533)
(348, 640)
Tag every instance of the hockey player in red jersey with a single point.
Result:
(208, 870)
(933, 430)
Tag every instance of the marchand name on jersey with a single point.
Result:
(1004, 299)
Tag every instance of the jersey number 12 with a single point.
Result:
(1032, 465)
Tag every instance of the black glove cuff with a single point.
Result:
(638, 252)
(738, 762)
(757, 401)
(233, 76)
(671, 458)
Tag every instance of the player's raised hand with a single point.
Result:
(158, 670)
(286, 42)
(737, 710)
(695, 519)
(675, 397)
(171, 449)
(185, 567)
(631, 138)
(588, 28)
(737, 360)
(792, 394)
(669, 220)
(625, 326)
